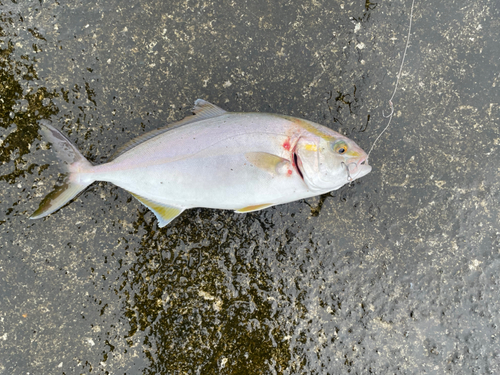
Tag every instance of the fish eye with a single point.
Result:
(339, 147)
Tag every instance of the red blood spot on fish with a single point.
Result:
(290, 172)
(286, 145)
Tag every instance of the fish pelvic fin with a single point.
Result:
(165, 213)
(72, 163)
(257, 207)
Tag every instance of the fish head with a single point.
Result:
(328, 162)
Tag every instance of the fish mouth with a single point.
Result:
(297, 163)
(357, 169)
(362, 161)
(363, 167)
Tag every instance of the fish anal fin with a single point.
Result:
(254, 208)
(269, 162)
(165, 213)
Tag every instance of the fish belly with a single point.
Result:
(221, 181)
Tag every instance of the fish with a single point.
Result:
(214, 159)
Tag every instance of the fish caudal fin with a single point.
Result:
(73, 164)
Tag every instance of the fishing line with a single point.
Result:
(389, 116)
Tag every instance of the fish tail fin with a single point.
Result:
(73, 164)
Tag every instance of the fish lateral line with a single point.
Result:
(116, 165)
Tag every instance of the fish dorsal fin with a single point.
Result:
(268, 162)
(254, 208)
(201, 111)
(165, 213)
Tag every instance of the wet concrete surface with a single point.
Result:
(397, 273)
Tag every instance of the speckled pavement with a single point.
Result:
(397, 273)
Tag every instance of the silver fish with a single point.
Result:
(216, 159)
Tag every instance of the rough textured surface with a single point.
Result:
(398, 273)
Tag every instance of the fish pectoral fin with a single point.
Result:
(254, 208)
(269, 162)
(165, 213)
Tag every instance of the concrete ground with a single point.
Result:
(397, 273)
